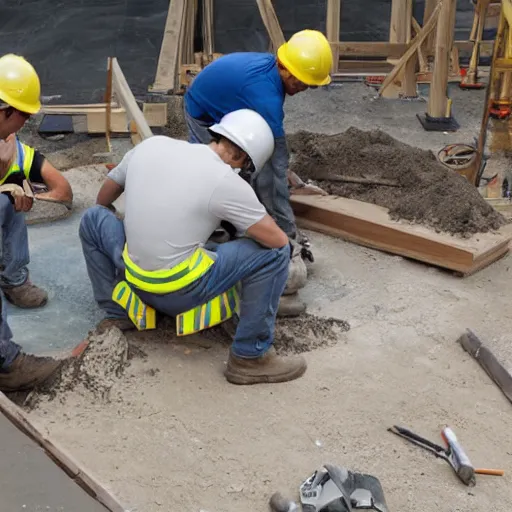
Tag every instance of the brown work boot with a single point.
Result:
(269, 368)
(123, 324)
(290, 306)
(28, 371)
(27, 295)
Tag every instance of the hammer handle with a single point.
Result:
(492, 472)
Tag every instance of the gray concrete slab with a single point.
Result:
(57, 264)
(32, 482)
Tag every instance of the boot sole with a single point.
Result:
(236, 378)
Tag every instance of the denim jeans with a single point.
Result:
(262, 273)
(14, 256)
(270, 184)
(14, 259)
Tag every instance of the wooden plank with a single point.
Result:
(119, 121)
(372, 49)
(333, 30)
(507, 10)
(369, 225)
(413, 47)
(127, 99)
(488, 361)
(269, 17)
(63, 459)
(169, 53)
(365, 66)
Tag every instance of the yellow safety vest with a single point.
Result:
(22, 162)
(214, 312)
(169, 280)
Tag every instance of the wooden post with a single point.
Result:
(430, 5)
(400, 32)
(438, 101)
(333, 30)
(208, 46)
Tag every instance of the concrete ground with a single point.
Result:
(32, 482)
(172, 434)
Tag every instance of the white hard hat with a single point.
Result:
(250, 132)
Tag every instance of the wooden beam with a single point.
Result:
(108, 101)
(208, 46)
(437, 100)
(126, 98)
(63, 459)
(169, 52)
(369, 225)
(422, 57)
(119, 121)
(333, 30)
(372, 49)
(413, 47)
(400, 26)
(269, 17)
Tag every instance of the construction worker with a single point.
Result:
(158, 259)
(261, 81)
(19, 99)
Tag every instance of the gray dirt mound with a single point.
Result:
(94, 373)
(429, 193)
(292, 335)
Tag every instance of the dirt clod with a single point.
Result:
(94, 373)
(429, 193)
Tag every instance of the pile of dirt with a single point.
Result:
(292, 335)
(94, 373)
(428, 192)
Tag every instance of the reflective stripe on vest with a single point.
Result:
(169, 280)
(23, 162)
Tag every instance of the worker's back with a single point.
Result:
(176, 195)
(235, 81)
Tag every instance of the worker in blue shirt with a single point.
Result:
(260, 82)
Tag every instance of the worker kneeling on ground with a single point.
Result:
(176, 195)
(260, 82)
(20, 164)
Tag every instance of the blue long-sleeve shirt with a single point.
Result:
(235, 81)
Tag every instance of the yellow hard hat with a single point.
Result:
(19, 84)
(308, 57)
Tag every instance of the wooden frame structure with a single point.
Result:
(177, 64)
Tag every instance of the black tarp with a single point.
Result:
(68, 41)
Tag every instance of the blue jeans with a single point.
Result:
(14, 260)
(262, 273)
(270, 184)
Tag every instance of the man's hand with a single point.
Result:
(7, 153)
(298, 187)
(23, 203)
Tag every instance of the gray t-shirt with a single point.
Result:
(176, 194)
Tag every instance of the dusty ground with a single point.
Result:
(172, 434)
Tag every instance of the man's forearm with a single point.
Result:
(108, 193)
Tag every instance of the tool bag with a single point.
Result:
(336, 489)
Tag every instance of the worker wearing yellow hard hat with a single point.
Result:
(20, 165)
(261, 82)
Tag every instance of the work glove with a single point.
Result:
(21, 197)
(305, 247)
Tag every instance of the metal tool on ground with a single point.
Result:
(473, 346)
(454, 454)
